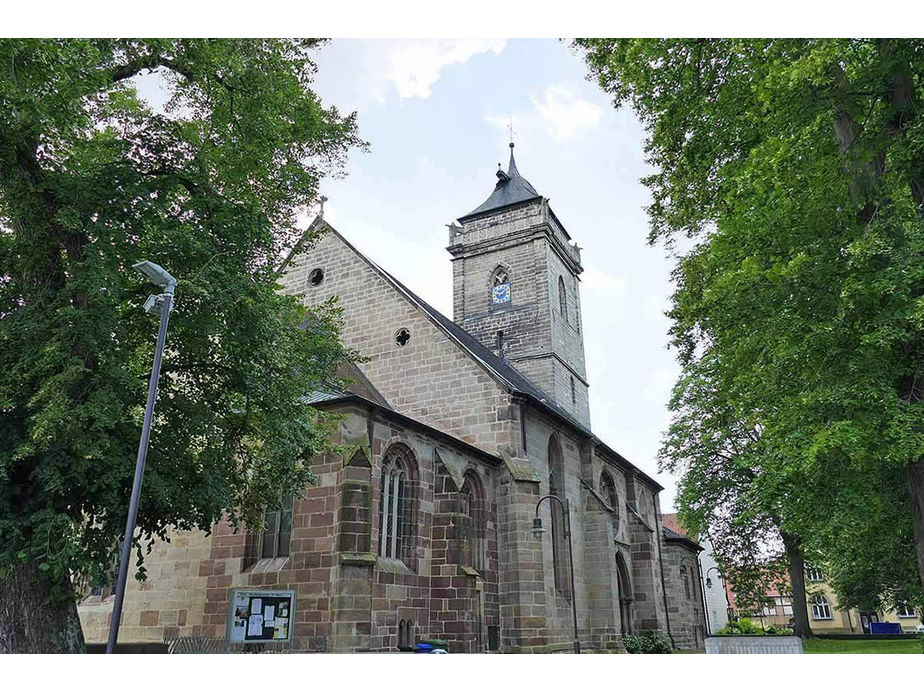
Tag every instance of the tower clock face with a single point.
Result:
(501, 293)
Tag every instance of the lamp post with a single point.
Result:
(162, 303)
(538, 529)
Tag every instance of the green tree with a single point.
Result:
(93, 179)
(795, 170)
(731, 491)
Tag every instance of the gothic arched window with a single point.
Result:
(473, 535)
(500, 287)
(395, 505)
(686, 581)
(563, 299)
(608, 491)
(559, 547)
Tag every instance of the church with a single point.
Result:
(452, 435)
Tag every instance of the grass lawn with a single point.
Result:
(871, 646)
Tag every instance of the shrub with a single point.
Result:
(774, 629)
(742, 626)
(650, 642)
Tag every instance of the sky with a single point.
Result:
(436, 115)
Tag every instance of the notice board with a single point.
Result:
(261, 615)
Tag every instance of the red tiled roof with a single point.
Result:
(670, 521)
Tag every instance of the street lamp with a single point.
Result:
(709, 579)
(538, 529)
(162, 303)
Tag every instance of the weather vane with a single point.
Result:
(510, 129)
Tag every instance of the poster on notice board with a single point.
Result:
(261, 616)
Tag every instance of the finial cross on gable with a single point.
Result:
(510, 130)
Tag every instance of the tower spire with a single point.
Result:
(512, 166)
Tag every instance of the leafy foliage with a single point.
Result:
(790, 182)
(742, 626)
(92, 179)
(649, 642)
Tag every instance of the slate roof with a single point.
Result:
(510, 377)
(671, 535)
(511, 189)
(356, 384)
(332, 395)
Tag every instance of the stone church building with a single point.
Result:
(452, 431)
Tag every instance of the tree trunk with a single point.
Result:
(793, 544)
(915, 475)
(30, 620)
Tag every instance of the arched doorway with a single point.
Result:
(625, 596)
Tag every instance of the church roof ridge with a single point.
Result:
(511, 189)
(499, 368)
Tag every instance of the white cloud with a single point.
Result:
(559, 114)
(353, 73)
(413, 67)
(564, 113)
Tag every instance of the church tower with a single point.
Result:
(515, 276)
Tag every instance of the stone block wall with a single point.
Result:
(417, 378)
(684, 597)
(169, 603)
(521, 568)
(600, 573)
(539, 340)
(645, 542)
(348, 599)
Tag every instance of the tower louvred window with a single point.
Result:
(500, 286)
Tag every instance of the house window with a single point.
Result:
(686, 581)
(573, 392)
(559, 548)
(316, 276)
(813, 574)
(394, 505)
(500, 287)
(786, 604)
(769, 609)
(274, 542)
(905, 610)
(563, 299)
(821, 609)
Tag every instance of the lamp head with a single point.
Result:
(156, 274)
(538, 529)
(153, 304)
(709, 583)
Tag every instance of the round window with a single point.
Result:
(402, 337)
(316, 276)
